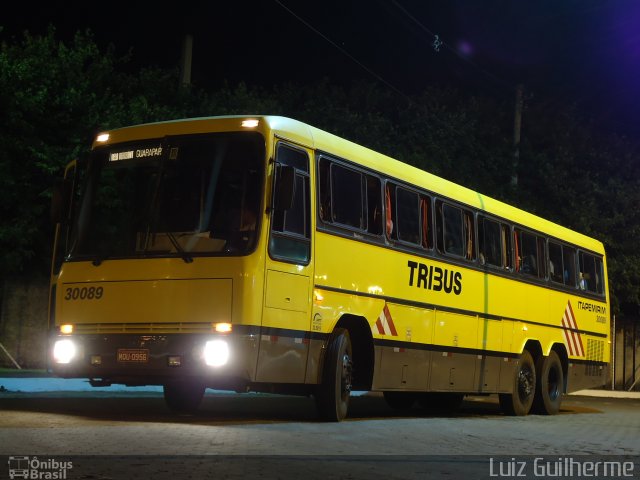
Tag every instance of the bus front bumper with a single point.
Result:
(217, 361)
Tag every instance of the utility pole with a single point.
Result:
(185, 64)
(517, 124)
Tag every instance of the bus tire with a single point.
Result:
(519, 402)
(332, 396)
(183, 397)
(400, 400)
(549, 385)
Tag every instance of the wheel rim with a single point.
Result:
(346, 377)
(526, 382)
(553, 381)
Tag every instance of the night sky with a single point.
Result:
(582, 51)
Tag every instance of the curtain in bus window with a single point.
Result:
(389, 224)
(516, 246)
(424, 209)
(469, 230)
(505, 246)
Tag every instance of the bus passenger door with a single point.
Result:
(284, 342)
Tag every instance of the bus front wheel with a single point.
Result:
(523, 387)
(183, 397)
(332, 396)
(550, 385)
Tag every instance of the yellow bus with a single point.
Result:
(262, 254)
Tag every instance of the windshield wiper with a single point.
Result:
(184, 255)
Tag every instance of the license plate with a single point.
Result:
(133, 355)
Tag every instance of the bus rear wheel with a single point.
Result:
(183, 397)
(519, 402)
(549, 386)
(332, 396)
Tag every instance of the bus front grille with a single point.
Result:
(143, 328)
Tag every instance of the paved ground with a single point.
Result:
(17, 381)
(243, 436)
(121, 432)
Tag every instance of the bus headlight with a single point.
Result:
(216, 353)
(64, 351)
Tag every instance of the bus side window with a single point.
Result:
(439, 227)
(490, 238)
(528, 253)
(347, 195)
(590, 276)
(599, 276)
(324, 208)
(584, 276)
(542, 263)
(408, 218)
(453, 231)
(290, 238)
(556, 267)
(569, 266)
(374, 205)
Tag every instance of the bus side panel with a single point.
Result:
(285, 323)
(314, 359)
(404, 364)
(490, 333)
(586, 374)
(453, 368)
(402, 368)
(329, 307)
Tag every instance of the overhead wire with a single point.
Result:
(367, 69)
(441, 43)
(345, 52)
(438, 41)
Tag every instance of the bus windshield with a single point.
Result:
(175, 196)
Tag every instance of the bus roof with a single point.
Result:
(364, 156)
(321, 140)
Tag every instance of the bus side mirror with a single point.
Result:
(60, 201)
(285, 188)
